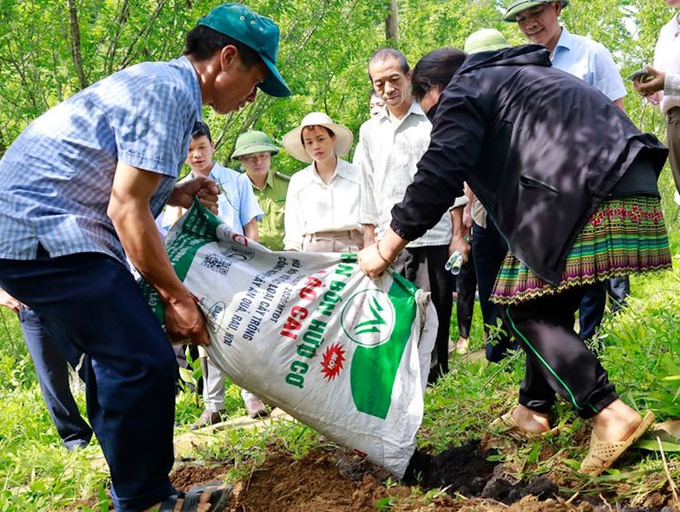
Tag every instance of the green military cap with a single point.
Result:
(253, 142)
(517, 6)
(485, 40)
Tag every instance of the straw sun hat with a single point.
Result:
(292, 141)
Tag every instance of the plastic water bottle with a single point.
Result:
(454, 263)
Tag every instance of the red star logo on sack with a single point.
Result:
(332, 361)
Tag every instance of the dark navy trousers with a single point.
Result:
(591, 309)
(489, 250)
(424, 267)
(90, 303)
(51, 368)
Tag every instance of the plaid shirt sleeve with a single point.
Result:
(154, 141)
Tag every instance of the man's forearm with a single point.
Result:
(458, 228)
(143, 245)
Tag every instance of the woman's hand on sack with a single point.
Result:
(370, 261)
(184, 321)
(203, 188)
(374, 259)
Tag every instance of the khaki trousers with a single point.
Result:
(673, 143)
(333, 241)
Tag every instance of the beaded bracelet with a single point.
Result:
(377, 248)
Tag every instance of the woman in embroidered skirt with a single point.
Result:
(570, 183)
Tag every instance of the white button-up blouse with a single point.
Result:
(312, 206)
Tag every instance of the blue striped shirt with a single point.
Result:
(56, 178)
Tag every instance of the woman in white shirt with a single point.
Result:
(322, 204)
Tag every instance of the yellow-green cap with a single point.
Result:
(485, 40)
(253, 142)
(517, 6)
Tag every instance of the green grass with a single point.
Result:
(640, 348)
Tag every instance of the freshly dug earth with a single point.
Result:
(335, 480)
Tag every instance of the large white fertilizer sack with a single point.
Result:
(309, 333)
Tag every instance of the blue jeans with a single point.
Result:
(90, 303)
(52, 370)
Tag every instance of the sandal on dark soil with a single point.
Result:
(219, 498)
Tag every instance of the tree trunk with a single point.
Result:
(392, 25)
(75, 43)
(3, 148)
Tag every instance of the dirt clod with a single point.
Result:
(464, 469)
(187, 476)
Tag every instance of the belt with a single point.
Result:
(343, 233)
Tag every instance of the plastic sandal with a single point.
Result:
(602, 455)
(219, 498)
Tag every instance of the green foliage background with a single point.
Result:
(324, 50)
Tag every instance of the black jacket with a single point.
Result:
(539, 147)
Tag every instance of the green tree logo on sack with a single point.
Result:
(368, 318)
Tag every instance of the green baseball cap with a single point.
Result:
(485, 40)
(255, 31)
(518, 6)
(253, 142)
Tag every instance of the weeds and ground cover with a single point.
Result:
(640, 347)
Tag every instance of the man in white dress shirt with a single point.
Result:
(390, 146)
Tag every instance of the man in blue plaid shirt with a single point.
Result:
(79, 190)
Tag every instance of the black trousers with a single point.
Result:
(557, 361)
(466, 285)
(489, 250)
(424, 267)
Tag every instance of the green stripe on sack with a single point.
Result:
(199, 228)
(374, 369)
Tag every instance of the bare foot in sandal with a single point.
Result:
(616, 422)
(615, 429)
(531, 421)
